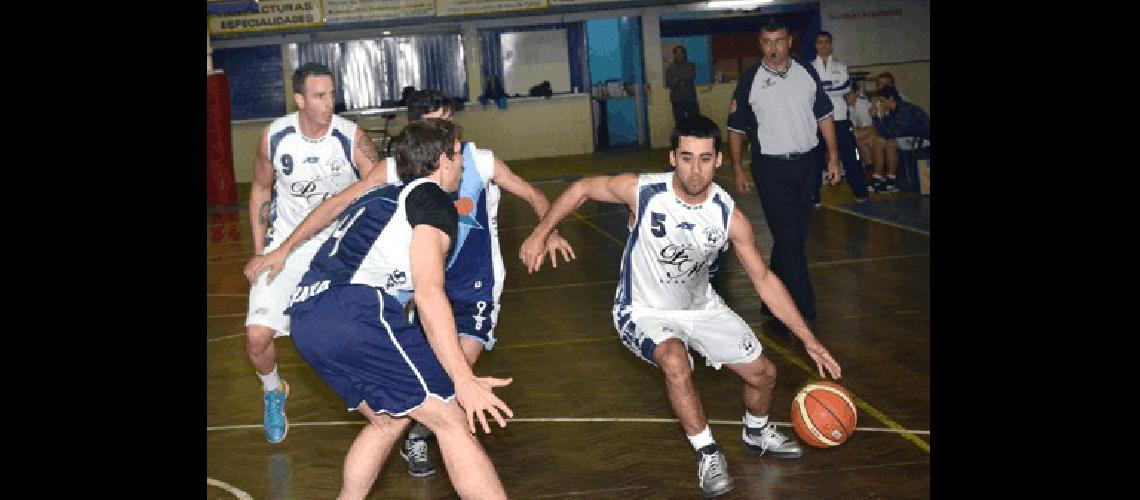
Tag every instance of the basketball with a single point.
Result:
(823, 414)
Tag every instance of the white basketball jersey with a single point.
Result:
(672, 250)
(306, 171)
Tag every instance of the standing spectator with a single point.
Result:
(833, 76)
(779, 104)
(680, 78)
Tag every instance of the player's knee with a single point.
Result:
(673, 358)
(762, 374)
(258, 338)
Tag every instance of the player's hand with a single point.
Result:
(741, 181)
(833, 171)
(556, 243)
(474, 396)
(823, 359)
(532, 252)
(273, 261)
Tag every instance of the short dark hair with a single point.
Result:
(698, 126)
(306, 70)
(419, 145)
(887, 75)
(422, 102)
(773, 24)
(826, 34)
(682, 48)
(889, 92)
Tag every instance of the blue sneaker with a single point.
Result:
(276, 425)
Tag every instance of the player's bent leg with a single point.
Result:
(470, 469)
(414, 447)
(472, 348)
(262, 354)
(673, 357)
(260, 348)
(759, 381)
(369, 451)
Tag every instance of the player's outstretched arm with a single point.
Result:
(620, 188)
(428, 249)
(773, 292)
(319, 218)
(512, 183)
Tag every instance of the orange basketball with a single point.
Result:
(823, 414)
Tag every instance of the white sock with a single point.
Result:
(702, 439)
(890, 177)
(270, 382)
(877, 176)
(754, 421)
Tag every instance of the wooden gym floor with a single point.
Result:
(593, 421)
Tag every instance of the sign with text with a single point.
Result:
(273, 15)
(866, 32)
(346, 11)
(466, 7)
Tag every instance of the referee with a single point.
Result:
(779, 103)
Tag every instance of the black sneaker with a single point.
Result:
(414, 451)
(890, 185)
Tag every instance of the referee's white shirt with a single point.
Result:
(785, 119)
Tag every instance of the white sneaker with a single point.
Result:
(769, 441)
(712, 472)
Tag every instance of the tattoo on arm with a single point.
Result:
(263, 213)
(367, 148)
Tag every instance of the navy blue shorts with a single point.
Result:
(360, 343)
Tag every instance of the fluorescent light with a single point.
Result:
(387, 32)
(736, 4)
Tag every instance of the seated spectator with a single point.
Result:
(859, 109)
(894, 118)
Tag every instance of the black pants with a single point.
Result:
(785, 188)
(853, 168)
(685, 109)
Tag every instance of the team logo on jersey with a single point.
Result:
(465, 207)
(335, 166)
(309, 190)
(747, 345)
(714, 237)
(396, 278)
(679, 262)
(686, 225)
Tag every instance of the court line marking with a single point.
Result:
(876, 219)
(228, 294)
(229, 488)
(564, 420)
(838, 469)
(595, 216)
(215, 339)
(607, 234)
(579, 340)
(874, 412)
(235, 315)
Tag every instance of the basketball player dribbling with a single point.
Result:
(680, 225)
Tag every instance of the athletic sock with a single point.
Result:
(270, 382)
(753, 421)
(702, 439)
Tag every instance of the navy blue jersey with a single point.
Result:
(371, 240)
